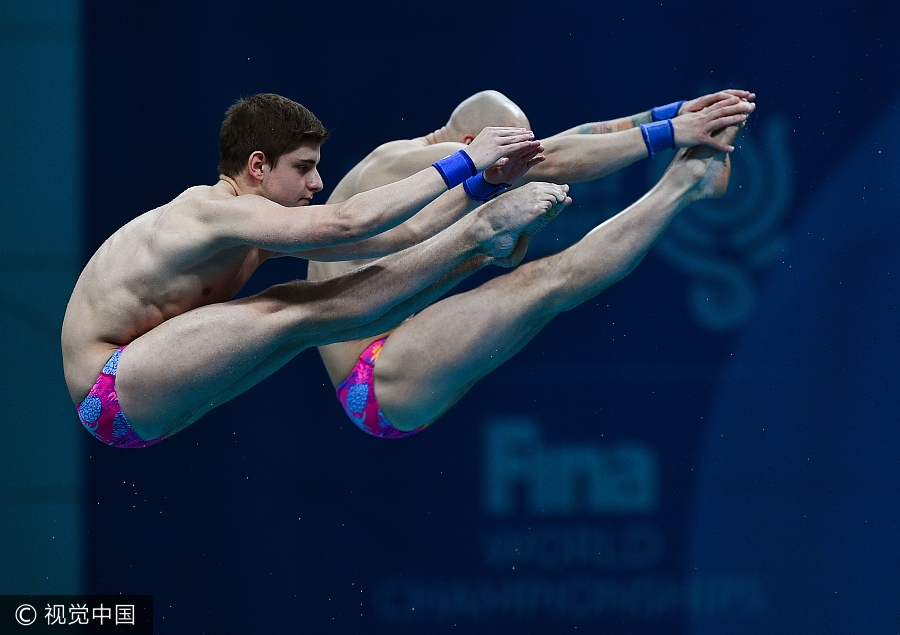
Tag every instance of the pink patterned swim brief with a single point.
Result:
(101, 414)
(357, 396)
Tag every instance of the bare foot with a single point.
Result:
(544, 219)
(708, 169)
(507, 223)
(537, 225)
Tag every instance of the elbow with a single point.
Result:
(352, 224)
(344, 229)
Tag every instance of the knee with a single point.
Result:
(408, 423)
(404, 411)
(149, 431)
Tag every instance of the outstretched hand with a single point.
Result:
(494, 143)
(696, 105)
(707, 115)
(513, 166)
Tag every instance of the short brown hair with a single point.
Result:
(269, 123)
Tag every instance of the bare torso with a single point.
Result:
(161, 264)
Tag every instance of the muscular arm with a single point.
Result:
(255, 221)
(574, 158)
(393, 161)
(591, 151)
(614, 125)
(627, 123)
(390, 163)
(434, 217)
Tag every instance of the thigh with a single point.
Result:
(189, 364)
(430, 361)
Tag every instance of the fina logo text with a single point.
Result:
(522, 470)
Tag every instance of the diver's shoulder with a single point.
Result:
(397, 147)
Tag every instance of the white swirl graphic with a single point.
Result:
(722, 243)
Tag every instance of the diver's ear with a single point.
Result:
(468, 139)
(257, 165)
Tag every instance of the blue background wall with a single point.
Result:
(704, 448)
(40, 130)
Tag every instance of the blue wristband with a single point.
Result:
(666, 112)
(659, 135)
(456, 168)
(479, 189)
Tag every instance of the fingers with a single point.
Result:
(492, 143)
(723, 117)
(708, 100)
(723, 95)
(501, 131)
(724, 109)
(526, 152)
(517, 151)
(743, 94)
(731, 107)
(520, 156)
(724, 122)
(516, 163)
(724, 101)
(712, 142)
(519, 140)
(506, 135)
(506, 130)
(521, 146)
(723, 137)
(502, 137)
(526, 157)
(741, 107)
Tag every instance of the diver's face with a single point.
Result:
(295, 179)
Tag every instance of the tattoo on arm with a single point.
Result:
(616, 125)
(644, 117)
